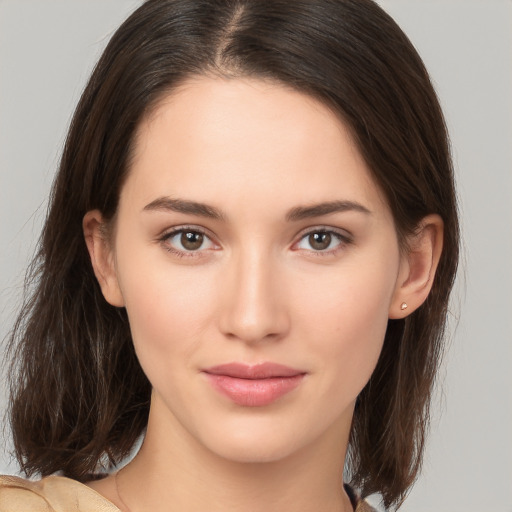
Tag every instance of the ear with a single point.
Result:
(102, 257)
(418, 267)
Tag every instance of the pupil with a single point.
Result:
(191, 241)
(320, 241)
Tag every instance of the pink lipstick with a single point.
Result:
(254, 386)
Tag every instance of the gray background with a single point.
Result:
(47, 50)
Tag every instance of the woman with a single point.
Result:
(247, 260)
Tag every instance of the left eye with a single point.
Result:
(320, 241)
(188, 240)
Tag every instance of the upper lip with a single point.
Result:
(265, 370)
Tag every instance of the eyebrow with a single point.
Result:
(295, 214)
(184, 206)
(317, 210)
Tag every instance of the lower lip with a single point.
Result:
(254, 392)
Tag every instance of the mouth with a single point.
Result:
(256, 385)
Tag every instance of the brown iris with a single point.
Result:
(320, 241)
(191, 240)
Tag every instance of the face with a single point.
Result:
(257, 261)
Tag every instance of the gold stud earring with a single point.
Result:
(403, 306)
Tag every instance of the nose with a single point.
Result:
(253, 300)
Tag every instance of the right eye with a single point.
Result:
(186, 242)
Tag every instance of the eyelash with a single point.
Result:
(164, 240)
(342, 238)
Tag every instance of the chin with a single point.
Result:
(253, 453)
(252, 445)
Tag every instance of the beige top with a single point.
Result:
(51, 494)
(60, 494)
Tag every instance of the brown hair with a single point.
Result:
(78, 395)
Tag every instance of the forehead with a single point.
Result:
(216, 139)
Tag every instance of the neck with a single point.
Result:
(172, 471)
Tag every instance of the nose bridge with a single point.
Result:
(253, 306)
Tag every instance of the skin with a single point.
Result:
(258, 288)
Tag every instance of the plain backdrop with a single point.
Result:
(47, 50)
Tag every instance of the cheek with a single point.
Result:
(169, 310)
(344, 318)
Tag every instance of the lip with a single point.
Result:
(254, 385)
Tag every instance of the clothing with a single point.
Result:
(51, 494)
(60, 494)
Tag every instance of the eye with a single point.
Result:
(187, 241)
(322, 241)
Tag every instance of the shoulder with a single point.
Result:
(363, 506)
(50, 494)
(359, 503)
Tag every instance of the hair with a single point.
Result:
(79, 398)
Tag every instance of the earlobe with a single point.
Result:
(418, 267)
(102, 257)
